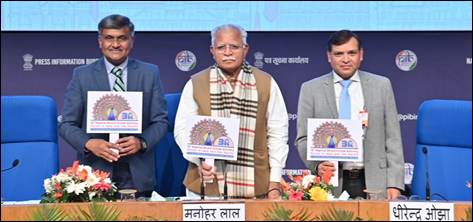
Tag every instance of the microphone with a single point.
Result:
(202, 187)
(225, 189)
(427, 181)
(13, 165)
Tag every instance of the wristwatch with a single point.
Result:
(144, 145)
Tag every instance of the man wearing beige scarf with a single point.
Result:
(232, 88)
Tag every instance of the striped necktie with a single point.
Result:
(119, 85)
(344, 109)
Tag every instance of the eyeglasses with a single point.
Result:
(112, 39)
(232, 47)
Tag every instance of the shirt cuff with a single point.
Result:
(275, 174)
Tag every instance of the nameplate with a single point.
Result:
(421, 211)
(213, 212)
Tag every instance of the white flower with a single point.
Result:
(307, 180)
(92, 180)
(48, 186)
(92, 194)
(107, 180)
(61, 178)
(87, 168)
(75, 188)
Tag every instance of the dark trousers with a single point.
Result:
(123, 180)
(354, 183)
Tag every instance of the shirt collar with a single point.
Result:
(109, 66)
(354, 78)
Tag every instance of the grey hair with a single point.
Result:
(116, 22)
(217, 29)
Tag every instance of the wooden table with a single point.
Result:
(367, 210)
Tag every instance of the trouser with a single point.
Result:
(354, 183)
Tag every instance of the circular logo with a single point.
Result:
(207, 132)
(109, 106)
(185, 60)
(406, 60)
(329, 134)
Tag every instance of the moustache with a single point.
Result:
(229, 58)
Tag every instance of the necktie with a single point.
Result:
(119, 86)
(344, 109)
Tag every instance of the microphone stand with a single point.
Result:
(225, 189)
(202, 187)
(427, 182)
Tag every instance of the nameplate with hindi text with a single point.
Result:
(421, 211)
(213, 212)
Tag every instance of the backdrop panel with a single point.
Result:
(41, 63)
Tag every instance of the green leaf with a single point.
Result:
(49, 213)
(338, 215)
(279, 213)
(97, 212)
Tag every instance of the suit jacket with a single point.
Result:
(383, 152)
(142, 77)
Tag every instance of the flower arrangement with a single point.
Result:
(78, 183)
(307, 187)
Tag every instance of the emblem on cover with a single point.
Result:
(332, 135)
(113, 107)
(210, 133)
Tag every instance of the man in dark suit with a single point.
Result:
(133, 166)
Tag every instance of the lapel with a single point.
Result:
(367, 88)
(101, 76)
(133, 75)
(329, 93)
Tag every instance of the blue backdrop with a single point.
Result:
(41, 63)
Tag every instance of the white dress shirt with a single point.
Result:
(277, 127)
(356, 104)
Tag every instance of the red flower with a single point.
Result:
(297, 179)
(317, 180)
(101, 174)
(57, 186)
(102, 186)
(326, 177)
(295, 195)
(57, 195)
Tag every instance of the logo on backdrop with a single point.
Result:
(468, 60)
(407, 116)
(29, 61)
(406, 60)
(27, 66)
(260, 60)
(185, 60)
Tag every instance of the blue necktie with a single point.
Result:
(344, 109)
